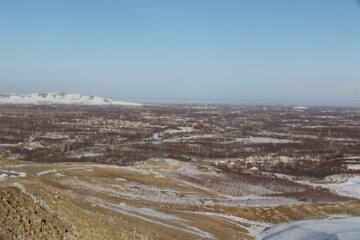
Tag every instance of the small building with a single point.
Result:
(250, 165)
(254, 169)
(231, 165)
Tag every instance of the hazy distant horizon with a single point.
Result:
(260, 102)
(256, 102)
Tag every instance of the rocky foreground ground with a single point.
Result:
(22, 218)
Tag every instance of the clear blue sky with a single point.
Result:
(238, 51)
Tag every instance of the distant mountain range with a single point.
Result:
(59, 98)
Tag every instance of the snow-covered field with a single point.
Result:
(338, 228)
(350, 187)
(261, 140)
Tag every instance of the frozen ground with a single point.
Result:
(349, 188)
(261, 140)
(341, 229)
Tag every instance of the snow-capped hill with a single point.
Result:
(59, 98)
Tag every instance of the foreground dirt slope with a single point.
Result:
(22, 218)
(94, 201)
(86, 201)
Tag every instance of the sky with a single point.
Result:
(216, 51)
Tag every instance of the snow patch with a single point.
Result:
(342, 229)
(261, 140)
(12, 174)
(150, 215)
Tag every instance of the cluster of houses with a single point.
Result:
(118, 123)
(254, 163)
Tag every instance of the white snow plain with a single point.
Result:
(338, 228)
(348, 188)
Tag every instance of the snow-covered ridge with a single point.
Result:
(59, 98)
